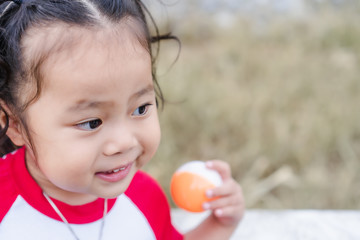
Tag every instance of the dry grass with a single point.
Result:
(280, 105)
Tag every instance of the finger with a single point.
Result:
(223, 168)
(230, 211)
(231, 214)
(227, 188)
(231, 200)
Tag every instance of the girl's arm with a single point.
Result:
(227, 209)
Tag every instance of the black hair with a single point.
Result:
(16, 17)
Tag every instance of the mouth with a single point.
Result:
(115, 170)
(115, 174)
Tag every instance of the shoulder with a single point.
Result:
(8, 189)
(144, 182)
(143, 186)
(149, 197)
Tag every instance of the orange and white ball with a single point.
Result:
(189, 185)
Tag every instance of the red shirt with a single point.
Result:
(142, 212)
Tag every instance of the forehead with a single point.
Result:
(44, 47)
(98, 70)
(41, 41)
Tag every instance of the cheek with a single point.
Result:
(150, 140)
(154, 142)
(66, 176)
(154, 136)
(63, 162)
(58, 170)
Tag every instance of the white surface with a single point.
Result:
(285, 224)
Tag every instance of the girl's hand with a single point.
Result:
(229, 206)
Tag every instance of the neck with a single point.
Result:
(70, 198)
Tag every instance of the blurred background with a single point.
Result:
(270, 86)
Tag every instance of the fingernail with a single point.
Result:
(206, 206)
(218, 212)
(209, 193)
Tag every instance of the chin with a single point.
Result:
(110, 195)
(114, 190)
(114, 193)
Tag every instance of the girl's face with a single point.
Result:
(95, 123)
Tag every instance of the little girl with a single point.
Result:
(78, 99)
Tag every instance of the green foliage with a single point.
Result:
(280, 104)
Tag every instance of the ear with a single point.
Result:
(15, 130)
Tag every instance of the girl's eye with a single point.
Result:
(90, 125)
(142, 110)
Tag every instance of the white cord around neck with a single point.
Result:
(56, 209)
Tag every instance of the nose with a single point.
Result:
(120, 139)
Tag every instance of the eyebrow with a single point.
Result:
(85, 104)
(147, 90)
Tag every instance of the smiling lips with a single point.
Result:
(115, 170)
(115, 174)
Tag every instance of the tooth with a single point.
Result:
(116, 170)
